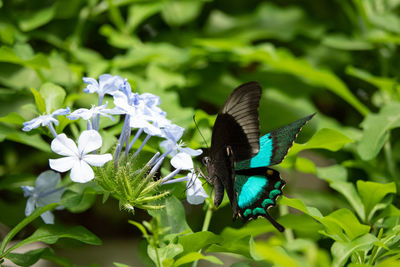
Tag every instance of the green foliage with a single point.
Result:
(337, 58)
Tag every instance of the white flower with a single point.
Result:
(182, 161)
(78, 158)
(43, 193)
(88, 114)
(195, 193)
(45, 119)
(108, 84)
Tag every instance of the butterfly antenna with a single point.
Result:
(198, 129)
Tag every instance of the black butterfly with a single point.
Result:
(239, 158)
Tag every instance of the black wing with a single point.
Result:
(237, 123)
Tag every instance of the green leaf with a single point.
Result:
(51, 233)
(343, 220)
(283, 61)
(15, 135)
(165, 253)
(372, 193)
(346, 43)
(121, 264)
(177, 13)
(9, 55)
(324, 139)
(22, 224)
(138, 12)
(383, 83)
(341, 250)
(54, 96)
(349, 192)
(79, 198)
(34, 19)
(299, 205)
(275, 255)
(243, 246)
(173, 216)
(39, 100)
(332, 173)
(376, 127)
(13, 118)
(198, 240)
(28, 258)
(305, 165)
(194, 256)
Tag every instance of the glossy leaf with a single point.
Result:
(376, 127)
(54, 96)
(372, 193)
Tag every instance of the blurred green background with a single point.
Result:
(337, 58)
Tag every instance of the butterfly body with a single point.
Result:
(239, 158)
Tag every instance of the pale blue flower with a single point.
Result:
(181, 156)
(141, 115)
(91, 113)
(43, 193)
(108, 84)
(78, 158)
(45, 119)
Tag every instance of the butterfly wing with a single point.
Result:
(235, 137)
(237, 123)
(274, 145)
(257, 190)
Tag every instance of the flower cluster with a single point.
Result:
(142, 114)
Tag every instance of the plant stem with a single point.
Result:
(289, 235)
(206, 224)
(389, 159)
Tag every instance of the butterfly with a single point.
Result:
(239, 159)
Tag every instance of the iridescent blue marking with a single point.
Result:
(267, 202)
(250, 190)
(262, 159)
(259, 211)
(274, 193)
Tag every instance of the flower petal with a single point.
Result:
(28, 190)
(48, 217)
(30, 206)
(173, 132)
(62, 164)
(182, 161)
(61, 111)
(32, 124)
(97, 160)
(191, 151)
(46, 181)
(81, 172)
(195, 192)
(64, 146)
(169, 145)
(89, 141)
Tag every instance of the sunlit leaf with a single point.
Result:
(372, 193)
(376, 127)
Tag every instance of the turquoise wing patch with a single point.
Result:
(262, 159)
(257, 192)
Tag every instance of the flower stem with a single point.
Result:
(206, 224)
(52, 130)
(142, 145)
(389, 160)
(288, 232)
(137, 135)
